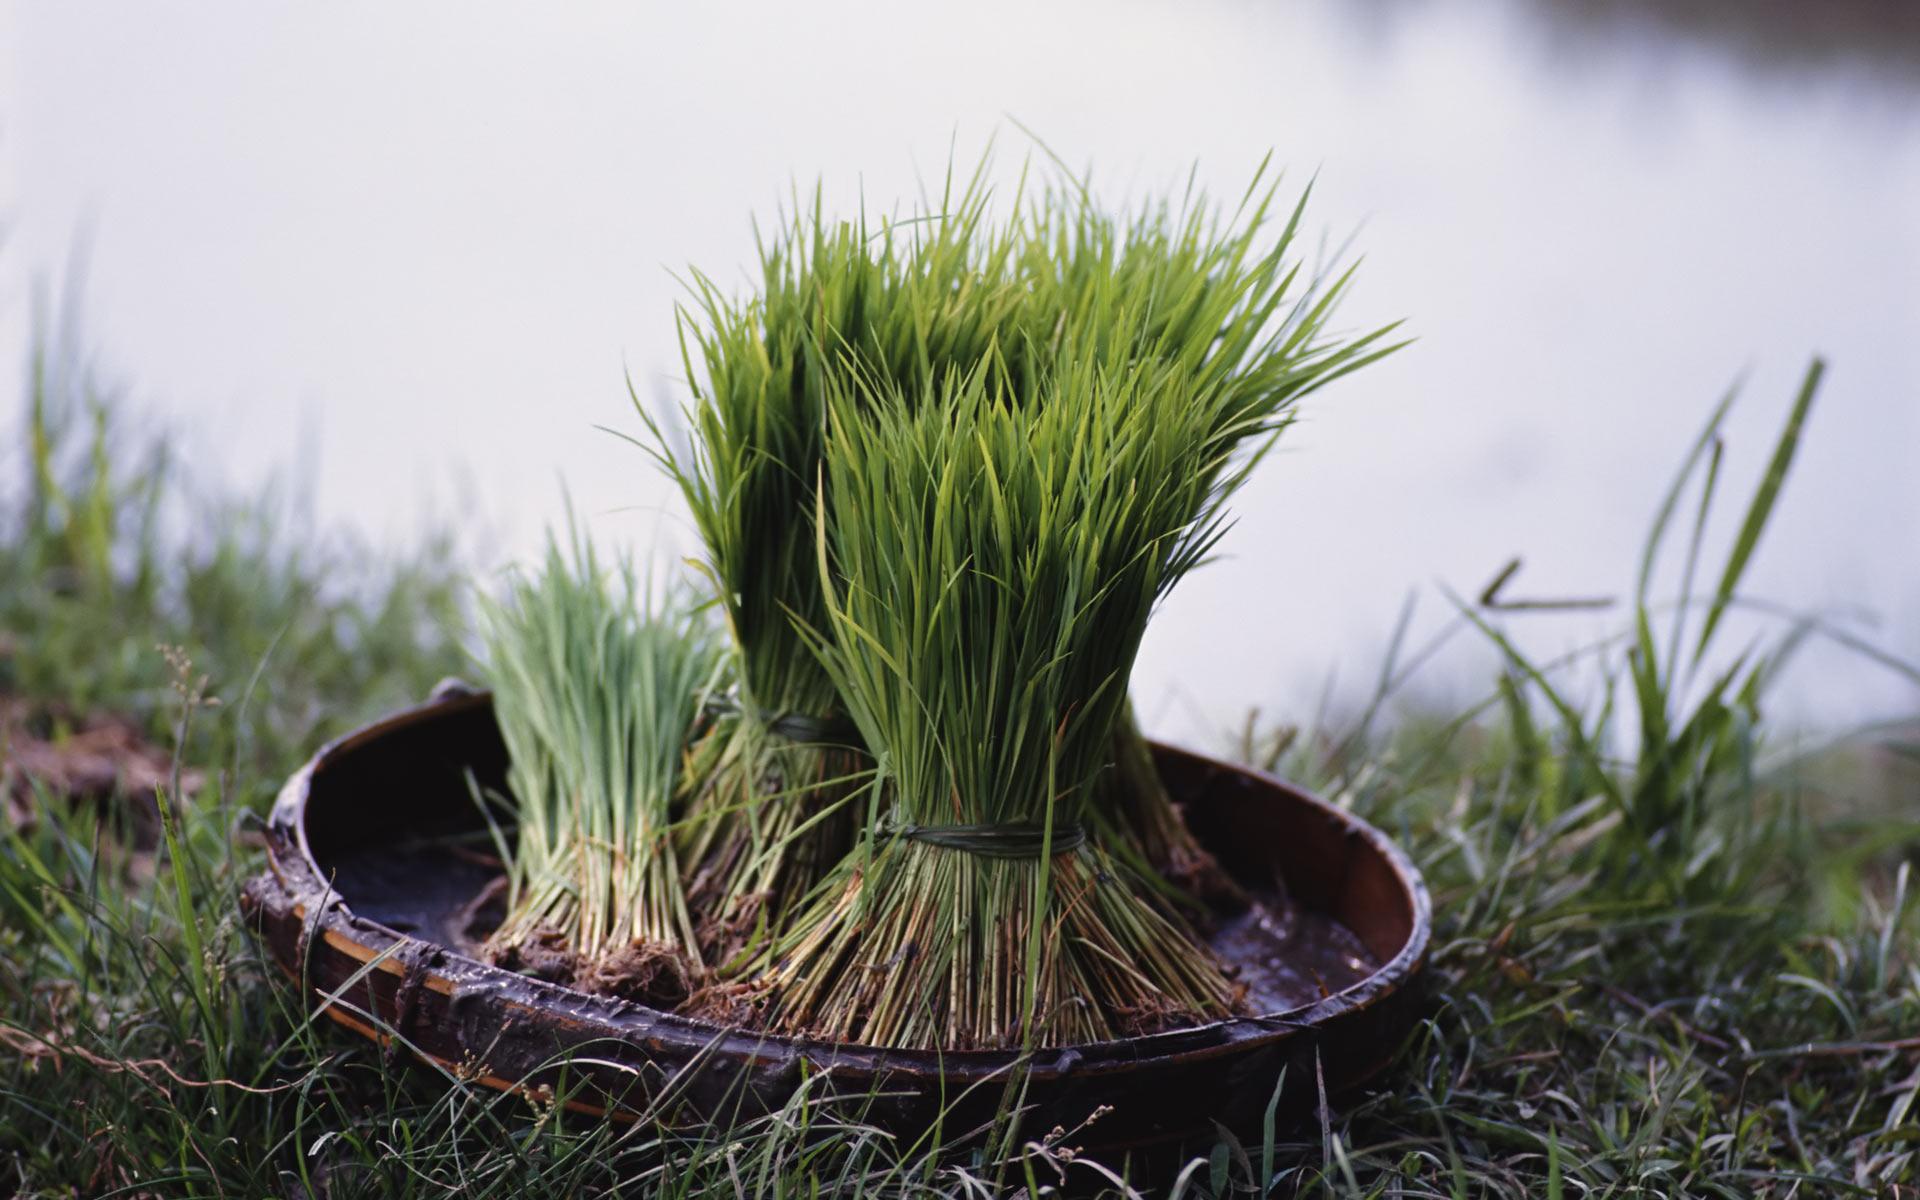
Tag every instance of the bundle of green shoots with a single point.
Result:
(1217, 296)
(990, 562)
(768, 811)
(597, 685)
(913, 303)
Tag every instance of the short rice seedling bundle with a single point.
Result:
(597, 684)
(990, 564)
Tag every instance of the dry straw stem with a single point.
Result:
(597, 685)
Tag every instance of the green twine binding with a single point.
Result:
(792, 726)
(1014, 840)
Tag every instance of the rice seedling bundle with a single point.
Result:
(764, 818)
(597, 685)
(1216, 294)
(989, 568)
(1059, 303)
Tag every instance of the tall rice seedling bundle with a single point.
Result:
(597, 684)
(1224, 299)
(990, 562)
(911, 306)
(765, 817)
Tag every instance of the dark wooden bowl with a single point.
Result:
(365, 902)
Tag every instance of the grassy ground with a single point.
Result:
(1674, 957)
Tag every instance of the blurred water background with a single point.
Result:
(409, 255)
